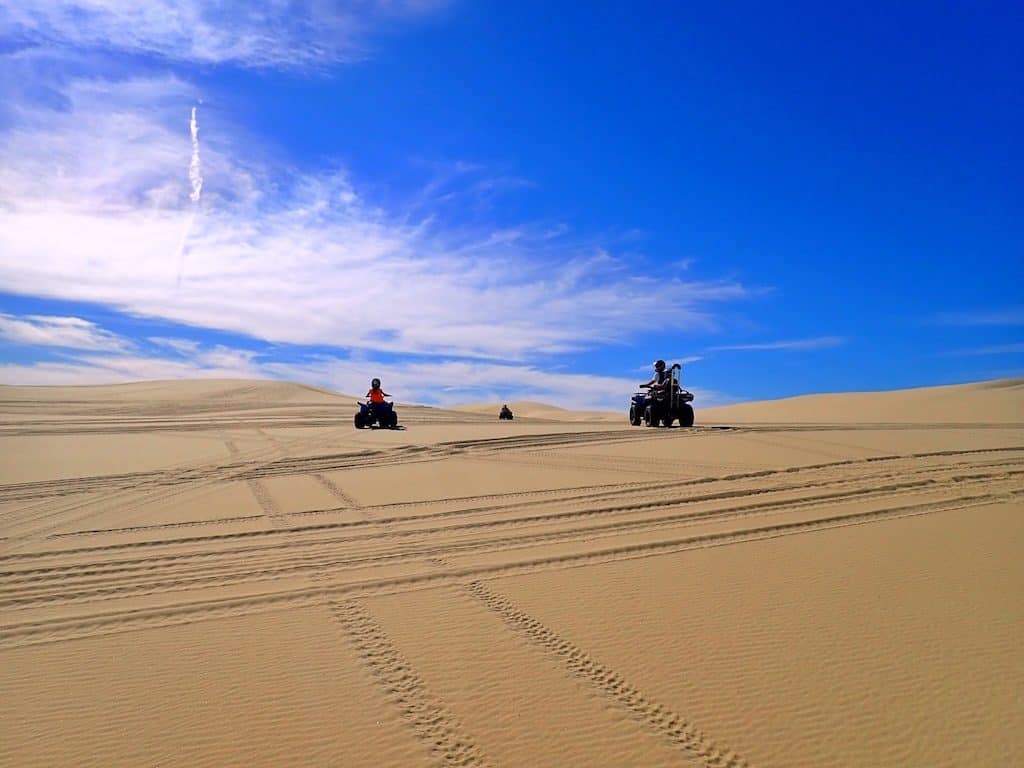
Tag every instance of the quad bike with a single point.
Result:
(662, 405)
(505, 414)
(382, 415)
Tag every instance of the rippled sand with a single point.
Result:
(227, 573)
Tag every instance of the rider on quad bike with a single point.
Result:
(661, 380)
(664, 402)
(376, 410)
(377, 395)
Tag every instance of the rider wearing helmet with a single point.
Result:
(376, 397)
(661, 378)
(376, 394)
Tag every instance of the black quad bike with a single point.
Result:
(381, 415)
(505, 414)
(662, 405)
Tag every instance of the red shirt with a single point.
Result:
(376, 395)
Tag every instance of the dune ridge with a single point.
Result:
(530, 409)
(991, 402)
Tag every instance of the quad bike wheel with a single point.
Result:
(393, 420)
(685, 415)
(649, 419)
(359, 421)
(634, 416)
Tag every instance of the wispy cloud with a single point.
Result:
(819, 342)
(448, 382)
(992, 349)
(434, 381)
(114, 369)
(1006, 316)
(115, 147)
(100, 191)
(55, 331)
(438, 383)
(181, 346)
(261, 33)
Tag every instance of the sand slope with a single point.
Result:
(987, 402)
(227, 573)
(529, 409)
(239, 392)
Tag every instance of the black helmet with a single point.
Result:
(659, 365)
(375, 383)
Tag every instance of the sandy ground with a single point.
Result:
(227, 573)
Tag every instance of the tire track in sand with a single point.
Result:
(657, 717)
(338, 492)
(431, 721)
(833, 490)
(126, 491)
(259, 491)
(88, 581)
(120, 620)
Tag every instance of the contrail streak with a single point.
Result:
(195, 172)
(195, 175)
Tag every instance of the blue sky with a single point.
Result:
(483, 200)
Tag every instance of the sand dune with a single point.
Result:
(180, 393)
(528, 409)
(227, 572)
(987, 402)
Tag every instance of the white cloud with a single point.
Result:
(820, 342)
(447, 382)
(441, 382)
(102, 357)
(181, 346)
(216, 363)
(118, 147)
(992, 349)
(99, 194)
(1007, 316)
(260, 33)
(55, 331)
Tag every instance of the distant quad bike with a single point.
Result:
(662, 406)
(505, 414)
(381, 415)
